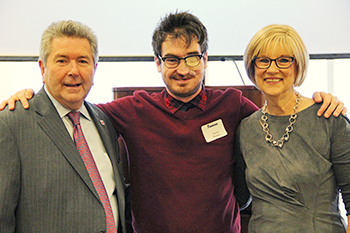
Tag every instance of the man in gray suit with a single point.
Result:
(44, 184)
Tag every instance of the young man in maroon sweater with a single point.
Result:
(180, 141)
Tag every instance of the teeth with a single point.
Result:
(272, 80)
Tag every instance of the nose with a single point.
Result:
(273, 67)
(73, 69)
(183, 68)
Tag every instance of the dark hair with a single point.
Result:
(177, 25)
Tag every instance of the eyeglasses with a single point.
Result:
(173, 62)
(281, 62)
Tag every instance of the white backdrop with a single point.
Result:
(125, 27)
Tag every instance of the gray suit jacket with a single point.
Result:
(44, 186)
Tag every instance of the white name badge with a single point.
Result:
(214, 130)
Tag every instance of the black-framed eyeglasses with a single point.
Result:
(281, 62)
(173, 62)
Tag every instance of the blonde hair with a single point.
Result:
(277, 35)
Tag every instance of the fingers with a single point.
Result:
(340, 109)
(331, 106)
(317, 96)
(22, 96)
(322, 109)
(29, 93)
(327, 106)
(3, 105)
(12, 101)
(345, 110)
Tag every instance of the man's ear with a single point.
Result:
(42, 69)
(205, 60)
(158, 63)
(93, 79)
(95, 68)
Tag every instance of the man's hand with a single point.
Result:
(23, 96)
(331, 105)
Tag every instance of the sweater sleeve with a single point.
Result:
(242, 194)
(241, 190)
(340, 152)
(247, 107)
(126, 110)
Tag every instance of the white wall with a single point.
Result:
(125, 27)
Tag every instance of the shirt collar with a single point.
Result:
(63, 111)
(174, 105)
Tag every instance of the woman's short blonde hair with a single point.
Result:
(277, 35)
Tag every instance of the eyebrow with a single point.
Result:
(188, 54)
(276, 57)
(65, 56)
(59, 55)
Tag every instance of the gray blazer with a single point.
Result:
(44, 186)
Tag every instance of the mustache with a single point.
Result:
(190, 75)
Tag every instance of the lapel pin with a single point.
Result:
(102, 122)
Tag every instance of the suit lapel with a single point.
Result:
(110, 142)
(52, 125)
(104, 134)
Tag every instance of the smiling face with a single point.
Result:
(274, 81)
(69, 71)
(182, 82)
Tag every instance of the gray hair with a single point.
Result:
(67, 28)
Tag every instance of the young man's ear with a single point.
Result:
(158, 63)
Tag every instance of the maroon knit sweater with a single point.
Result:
(180, 183)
